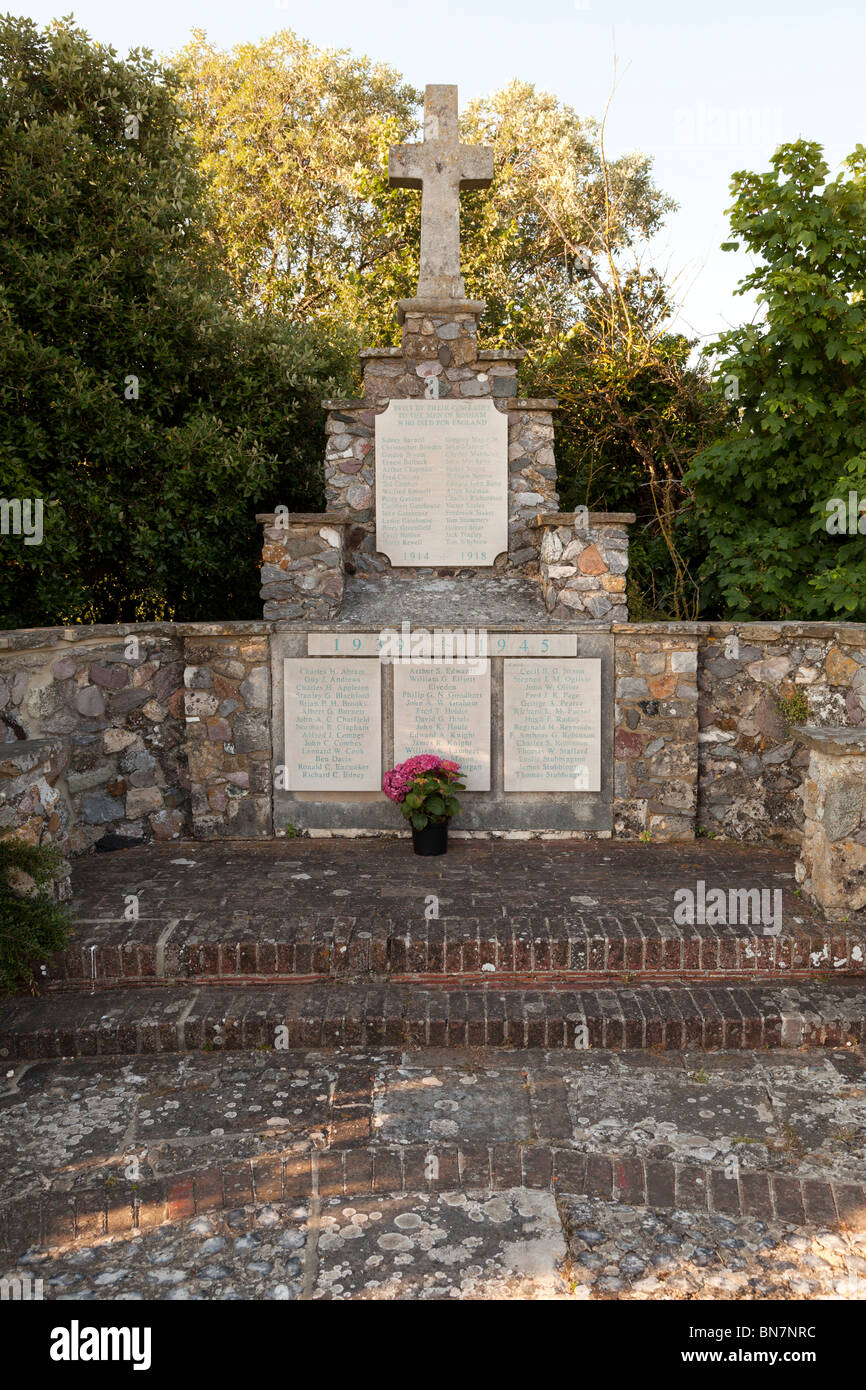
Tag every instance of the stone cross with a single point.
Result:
(440, 167)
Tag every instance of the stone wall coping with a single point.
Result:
(595, 519)
(835, 739)
(852, 633)
(428, 305)
(22, 639)
(306, 518)
(523, 403)
(37, 638)
(513, 354)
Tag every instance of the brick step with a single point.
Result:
(603, 948)
(54, 1219)
(332, 1014)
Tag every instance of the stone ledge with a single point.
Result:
(529, 403)
(835, 740)
(26, 754)
(595, 519)
(306, 518)
(432, 304)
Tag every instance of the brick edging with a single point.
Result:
(58, 1219)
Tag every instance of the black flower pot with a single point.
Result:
(433, 839)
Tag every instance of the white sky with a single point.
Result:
(703, 88)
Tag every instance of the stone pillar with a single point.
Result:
(34, 800)
(584, 560)
(228, 735)
(831, 869)
(443, 332)
(655, 733)
(303, 570)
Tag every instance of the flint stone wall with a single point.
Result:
(160, 737)
(171, 735)
(655, 738)
(115, 710)
(756, 682)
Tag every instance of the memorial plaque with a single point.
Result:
(333, 724)
(552, 718)
(444, 710)
(442, 482)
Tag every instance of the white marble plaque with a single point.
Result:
(552, 718)
(442, 482)
(333, 724)
(444, 710)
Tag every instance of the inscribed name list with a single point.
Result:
(442, 482)
(444, 710)
(333, 724)
(552, 717)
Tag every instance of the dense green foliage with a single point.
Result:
(32, 924)
(151, 416)
(762, 491)
(190, 257)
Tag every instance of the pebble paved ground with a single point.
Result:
(73, 1125)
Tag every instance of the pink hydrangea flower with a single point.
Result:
(397, 783)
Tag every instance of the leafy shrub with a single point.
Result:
(33, 924)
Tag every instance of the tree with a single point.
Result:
(294, 141)
(147, 413)
(558, 206)
(764, 492)
(569, 230)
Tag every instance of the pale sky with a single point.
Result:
(704, 89)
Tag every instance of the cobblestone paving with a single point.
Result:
(88, 1126)
(515, 1244)
(620, 1252)
(249, 1253)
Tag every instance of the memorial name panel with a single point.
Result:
(333, 724)
(444, 710)
(552, 719)
(442, 482)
